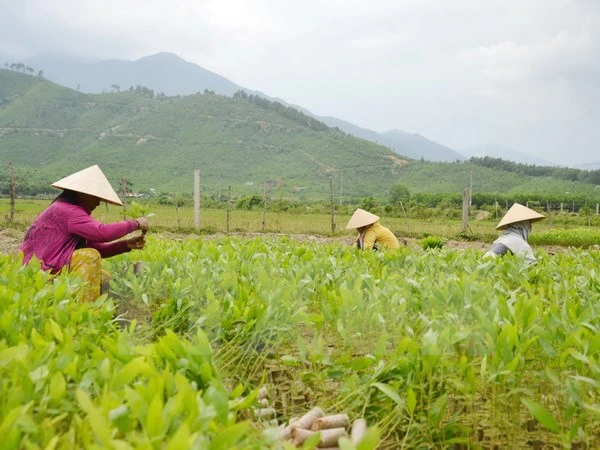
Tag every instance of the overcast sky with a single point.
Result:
(523, 74)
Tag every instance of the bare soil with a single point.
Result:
(10, 239)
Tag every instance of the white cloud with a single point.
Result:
(521, 73)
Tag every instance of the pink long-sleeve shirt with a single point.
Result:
(63, 227)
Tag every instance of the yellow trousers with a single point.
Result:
(87, 263)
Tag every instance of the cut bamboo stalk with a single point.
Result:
(331, 436)
(138, 267)
(333, 421)
(286, 433)
(308, 419)
(262, 413)
(299, 435)
(359, 428)
(263, 393)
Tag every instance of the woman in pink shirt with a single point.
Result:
(65, 235)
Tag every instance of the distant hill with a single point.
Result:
(420, 145)
(172, 75)
(162, 72)
(409, 145)
(156, 143)
(244, 141)
(498, 151)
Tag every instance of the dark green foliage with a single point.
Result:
(285, 111)
(399, 194)
(250, 202)
(369, 204)
(565, 173)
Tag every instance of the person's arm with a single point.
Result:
(111, 248)
(116, 248)
(82, 224)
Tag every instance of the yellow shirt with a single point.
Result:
(381, 235)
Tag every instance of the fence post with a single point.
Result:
(597, 208)
(124, 195)
(465, 209)
(11, 175)
(332, 206)
(228, 206)
(264, 205)
(197, 199)
(341, 186)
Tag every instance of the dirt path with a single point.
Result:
(10, 239)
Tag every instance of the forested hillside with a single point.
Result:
(245, 142)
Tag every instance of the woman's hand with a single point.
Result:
(142, 224)
(136, 243)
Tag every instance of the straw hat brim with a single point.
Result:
(361, 218)
(518, 213)
(90, 181)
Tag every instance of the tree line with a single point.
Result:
(22, 68)
(564, 173)
(286, 111)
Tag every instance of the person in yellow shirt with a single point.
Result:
(371, 235)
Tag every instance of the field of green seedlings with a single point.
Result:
(437, 348)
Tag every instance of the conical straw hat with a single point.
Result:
(518, 213)
(361, 218)
(90, 181)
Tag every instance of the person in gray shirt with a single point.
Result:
(516, 226)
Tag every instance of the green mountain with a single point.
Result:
(116, 74)
(244, 141)
(156, 143)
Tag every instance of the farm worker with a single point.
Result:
(65, 235)
(516, 224)
(371, 234)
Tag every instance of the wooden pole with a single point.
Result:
(228, 206)
(597, 208)
(465, 209)
(471, 189)
(11, 175)
(197, 199)
(341, 185)
(124, 195)
(264, 205)
(405, 217)
(332, 206)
